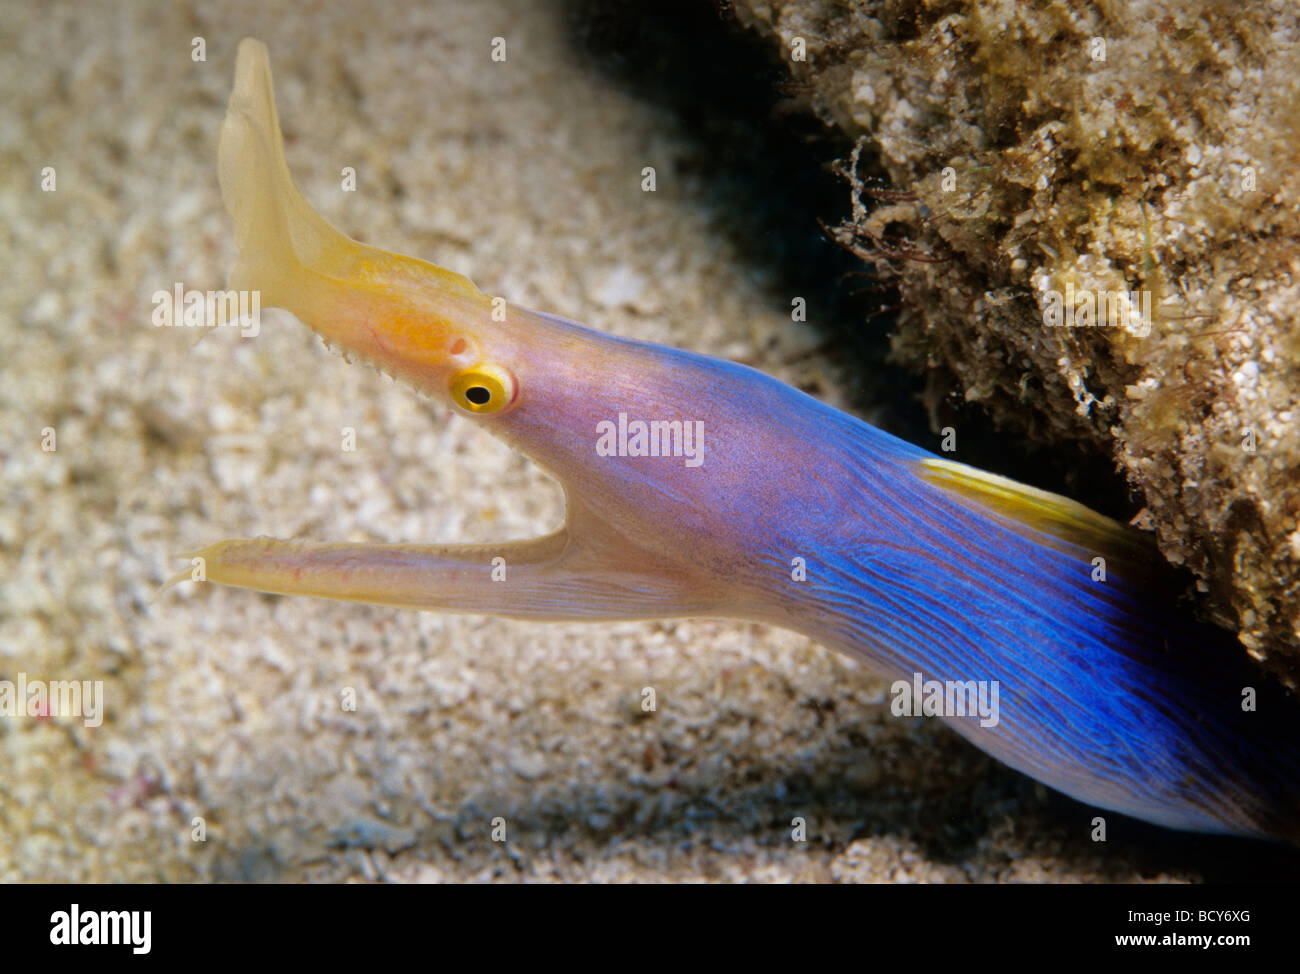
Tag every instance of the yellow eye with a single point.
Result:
(483, 389)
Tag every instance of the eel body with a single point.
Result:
(699, 487)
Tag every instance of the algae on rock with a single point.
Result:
(1147, 148)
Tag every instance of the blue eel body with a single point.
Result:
(1109, 691)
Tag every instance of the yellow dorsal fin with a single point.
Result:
(1060, 518)
(286, 248)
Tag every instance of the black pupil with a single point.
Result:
(477, 395)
